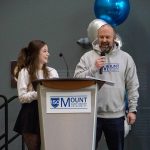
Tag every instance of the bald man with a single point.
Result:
(108, 62)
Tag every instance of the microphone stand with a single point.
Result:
(61, 55)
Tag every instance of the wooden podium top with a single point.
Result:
(66, 83)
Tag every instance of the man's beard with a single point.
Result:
(105, 47)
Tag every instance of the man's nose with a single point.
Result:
(104, 39)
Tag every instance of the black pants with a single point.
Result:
(113, 129)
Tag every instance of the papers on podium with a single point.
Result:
(98, 79)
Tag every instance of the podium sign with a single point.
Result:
(67, 112)
(68, 102)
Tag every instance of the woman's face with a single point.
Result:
(43, 55)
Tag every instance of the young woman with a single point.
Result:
(31, 65)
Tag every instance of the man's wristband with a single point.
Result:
(134, 112)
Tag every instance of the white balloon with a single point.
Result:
(93, 27)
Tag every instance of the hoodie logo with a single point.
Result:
(111, 67)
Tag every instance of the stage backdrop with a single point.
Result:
(61, 24)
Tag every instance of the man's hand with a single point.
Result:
(131, 117)
(100, 62)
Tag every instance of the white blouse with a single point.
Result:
(26, 92)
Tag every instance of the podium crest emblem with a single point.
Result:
(54, 102)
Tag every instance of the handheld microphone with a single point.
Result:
(101, 69)
(61, 55)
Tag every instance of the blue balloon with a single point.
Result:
(113, 12)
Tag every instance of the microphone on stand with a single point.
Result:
(61, 55)
(101, 69)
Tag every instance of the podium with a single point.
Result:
(67, 113)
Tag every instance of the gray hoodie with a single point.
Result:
(120, 69)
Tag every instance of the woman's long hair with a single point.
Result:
(29, 58)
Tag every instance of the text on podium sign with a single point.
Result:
(68, 102)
